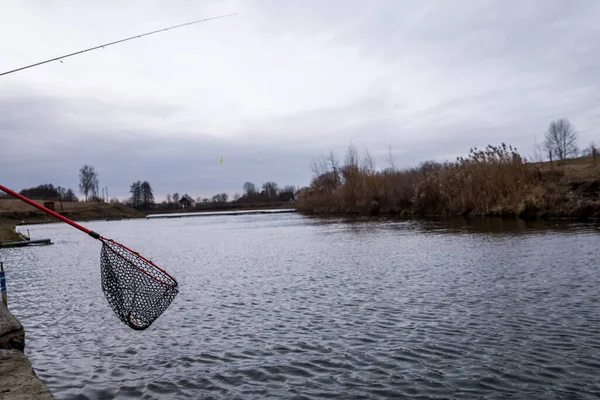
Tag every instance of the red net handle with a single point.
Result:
(81, 228)
(48, 211)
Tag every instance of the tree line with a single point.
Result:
(48, 191)
(270, 193)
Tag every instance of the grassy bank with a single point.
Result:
(495, 181)
(14, 212)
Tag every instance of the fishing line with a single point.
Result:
(115, 42)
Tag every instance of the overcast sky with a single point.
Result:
(282, 82)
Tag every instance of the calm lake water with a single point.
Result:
(282, 306)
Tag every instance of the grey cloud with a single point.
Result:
(444, 76)
(49, 149)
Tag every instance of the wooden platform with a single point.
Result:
(37, 242)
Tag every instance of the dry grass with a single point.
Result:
(12, 205)
(14, 212)
(495, 181)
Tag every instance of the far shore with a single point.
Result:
(14, 213)
(495, 182)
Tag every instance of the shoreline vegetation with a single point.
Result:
(15, 212)
(494, 182)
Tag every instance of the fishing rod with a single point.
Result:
(115, 42)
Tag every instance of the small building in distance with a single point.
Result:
(186, 201)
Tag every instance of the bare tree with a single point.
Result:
(287, 193)
(271, 189)
(561, 139)
(220, 198)
(70, 196)
(249, 188)
(236, 196)
(88, 181)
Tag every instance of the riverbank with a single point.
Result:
(231, 206)
(18, 379)
(222, 213)
(495, 182)
(15, 212)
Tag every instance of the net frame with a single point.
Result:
(137, 290)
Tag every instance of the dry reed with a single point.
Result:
(495, 181)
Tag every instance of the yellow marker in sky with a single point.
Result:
(221, 162)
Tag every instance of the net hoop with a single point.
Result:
(168, 281)
(137, 290)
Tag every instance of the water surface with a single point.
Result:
(282, 306)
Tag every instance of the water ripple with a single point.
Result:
(280, 306)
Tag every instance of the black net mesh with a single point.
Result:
(137, 291)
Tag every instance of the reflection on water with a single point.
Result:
(283, 306)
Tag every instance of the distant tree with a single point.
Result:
(96, 199)
(561, 139)
(62, 192)
(249, 188)
(236, 197)
(46, 191)
(88, 181)
(205, 201)
(136, 194)
(270, 189)
(115, 200)
(147, 194)
(169, 200)
(141, 194)
(70, 196)
(220, 198)
(591, 151)
(287, 193)
(175, 197)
